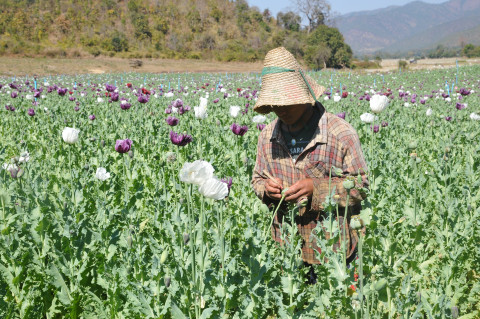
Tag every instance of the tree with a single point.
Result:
(317, 56)
(340, 54)
(316, 12)
(289, 21)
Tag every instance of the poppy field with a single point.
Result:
(129, 196)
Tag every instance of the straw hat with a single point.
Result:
(283, 82)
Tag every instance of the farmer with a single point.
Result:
(300, 149)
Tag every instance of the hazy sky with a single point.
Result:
(340, 6)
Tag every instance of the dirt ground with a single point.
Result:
(11, 66)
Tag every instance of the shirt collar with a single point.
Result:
(320, 135)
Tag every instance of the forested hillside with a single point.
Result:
(203, 29)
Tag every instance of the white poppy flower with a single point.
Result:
(234, 110)
(326, 98)
(43, 96)
(367, 117)
(203, 102)
(448, 99)
(200, 112)
(169, 94)
(24, 157)
(213, 188)
(102, 174)
(70, 135)
(259, 119)
(99, 99)
(406, 104)
(378, 103)
(197, 172)
(475, 116)
(29, 97)
(337, 98)
(429, 112)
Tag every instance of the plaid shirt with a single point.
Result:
(334, 143)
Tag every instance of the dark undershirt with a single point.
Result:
(297, 141)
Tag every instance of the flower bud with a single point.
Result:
(167, 281)
(130, 154)
(454, 312)
(380, 284)
(102, 142)
(186, 238)
(164, 256)
(412, 145)
(302, 202)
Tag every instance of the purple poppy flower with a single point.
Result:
(444, 95)
(180, 139)
(62, 92)
(448, 118)
(422, 101)
(71, 98)
(464, 91)
(123, 146)
(125, 106)
(34, 103)
(342, 115)
(177, 103)
(13, 86)
(367, 97)
(261, 126)
(114, 97)
(171, 120)
(13, 94)
(110, 88)
(36, 94)
(76, 109)
(384, 124)
(31, 112)
(460, 106)
(376, 128)
(239, 129)
(168, 110)
(413, 100)
(216, 100)
(143, 99)
(228, 181)
(91, 117)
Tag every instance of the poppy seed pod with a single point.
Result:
(186, 238)
(412, 145)
(356, 223)
(348, 184)
(102, 142)
(167, 281)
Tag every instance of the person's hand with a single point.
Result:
(273, 188)
(302, 188)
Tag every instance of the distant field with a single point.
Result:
(10, 66)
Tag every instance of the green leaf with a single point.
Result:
(176, 312)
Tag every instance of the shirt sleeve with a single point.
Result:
(258, 179)
(354, 165)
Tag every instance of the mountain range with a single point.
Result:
(415, 26)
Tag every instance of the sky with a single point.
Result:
(339, 6)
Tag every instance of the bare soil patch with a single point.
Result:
(13, 66)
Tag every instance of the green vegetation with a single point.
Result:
(213, 29)
(471, 51)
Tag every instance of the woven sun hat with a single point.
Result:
(284, 83)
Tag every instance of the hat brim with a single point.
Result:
(285, 89)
